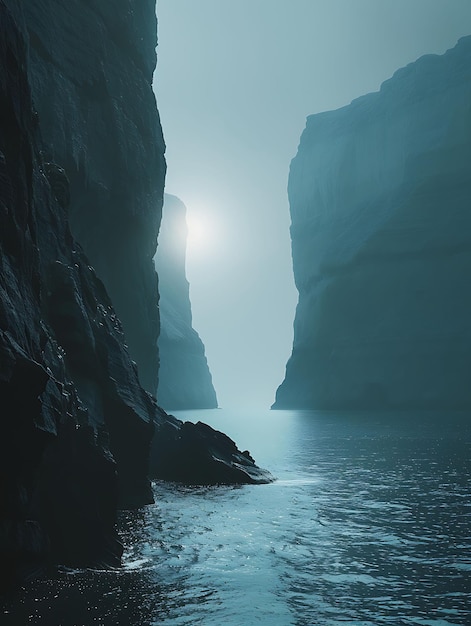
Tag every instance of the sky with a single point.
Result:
(235, 81)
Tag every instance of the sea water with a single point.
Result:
(368, 523)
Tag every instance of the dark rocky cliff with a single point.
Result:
(91, 65)
(380, 196)
(72, 408)
(80, 144)
(184, 377)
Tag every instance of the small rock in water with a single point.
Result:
(196, 454)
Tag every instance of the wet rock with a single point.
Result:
(196, 454)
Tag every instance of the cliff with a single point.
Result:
(73, 411)
(90, 69)
(81, 146)
(380, 198)
(184, 377)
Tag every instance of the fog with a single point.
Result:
(235, 81)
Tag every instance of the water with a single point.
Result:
(369, 523)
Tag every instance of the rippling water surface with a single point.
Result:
(369, 523)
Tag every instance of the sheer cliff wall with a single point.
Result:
(91, 64)
(380, 198)
(76, 425)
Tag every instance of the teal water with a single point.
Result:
(368, 523)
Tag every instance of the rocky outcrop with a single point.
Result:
(196, 454)
(380, 196)
(184, 377)
(91, 66)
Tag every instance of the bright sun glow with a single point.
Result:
(200, 232)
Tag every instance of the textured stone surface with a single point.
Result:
(184, 377)
(380, 196)
(91, 67)
(196, 454)
(75, 423)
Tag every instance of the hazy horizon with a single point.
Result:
(235, 83)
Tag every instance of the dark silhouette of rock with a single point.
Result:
(196, 454)
(184, 377)
(380, 196)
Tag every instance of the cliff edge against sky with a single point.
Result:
(380, 198)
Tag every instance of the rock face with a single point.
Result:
(380, 196)
(90, 68)
(196, 454)
(184, 377)
(75, 423)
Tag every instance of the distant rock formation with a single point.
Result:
(184, 377)
(380, 196)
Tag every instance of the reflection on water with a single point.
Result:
(369, 523)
